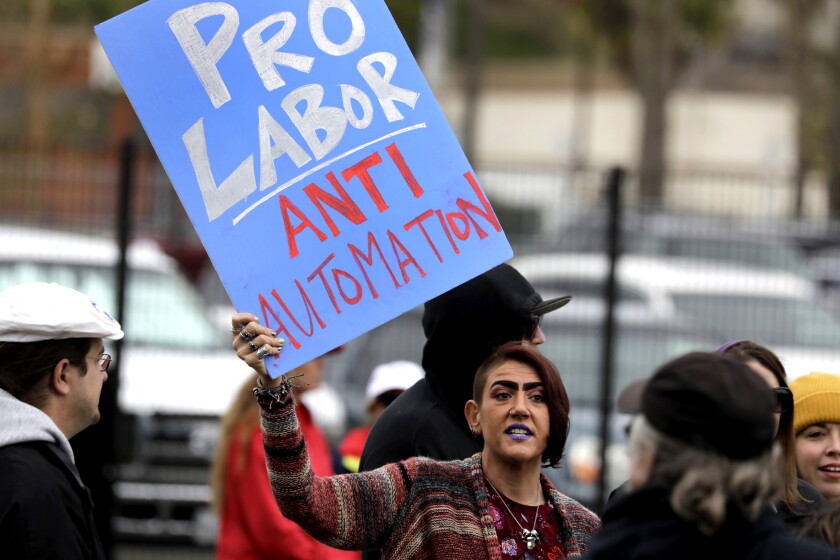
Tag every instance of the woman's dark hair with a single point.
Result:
(745, 351)
(823, 525)
(554, 391)
(385, 399)
(25, 367)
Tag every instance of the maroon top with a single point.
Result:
(549, 545)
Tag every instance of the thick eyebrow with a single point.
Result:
(512, 385)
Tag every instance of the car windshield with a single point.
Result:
(162, 308)
(727, 250)
(576, 350)
(718, 241)
(774, 321)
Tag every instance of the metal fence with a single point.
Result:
(719, 257)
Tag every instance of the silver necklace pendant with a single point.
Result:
(531, 538)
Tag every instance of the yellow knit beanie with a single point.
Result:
(816, 398)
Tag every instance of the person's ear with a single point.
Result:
(473, 416)
(60, 377)
(642, 462)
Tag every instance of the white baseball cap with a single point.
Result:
(41, 311)
(401, 375)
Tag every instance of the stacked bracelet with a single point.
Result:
(274, 394)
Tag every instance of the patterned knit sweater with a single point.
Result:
(415, 509)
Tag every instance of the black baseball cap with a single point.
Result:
(708, 401)
(549, 305)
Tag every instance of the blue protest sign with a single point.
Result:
(312, 158)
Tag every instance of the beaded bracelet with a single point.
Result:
(275, 394)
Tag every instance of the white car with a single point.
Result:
(177, 374)
(786, 312)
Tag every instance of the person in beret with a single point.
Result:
(703, 470)
(52, 368)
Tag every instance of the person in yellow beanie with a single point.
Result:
(816, 422)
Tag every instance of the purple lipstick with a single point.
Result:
(519, 432)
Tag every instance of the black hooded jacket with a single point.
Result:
(642, 526)
(463, 327)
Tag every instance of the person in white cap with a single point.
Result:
(386, 383)
(52, 368)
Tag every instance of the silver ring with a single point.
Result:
(252, 346)
(262, 352)
(245, 335)
(236, 330)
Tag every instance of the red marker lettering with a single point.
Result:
(285, 206)
(344, 205)
(360, 170)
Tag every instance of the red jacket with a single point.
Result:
(351, 447)
(252, 527)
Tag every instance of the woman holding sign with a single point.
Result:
(494, 504)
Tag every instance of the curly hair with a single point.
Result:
(705, 485)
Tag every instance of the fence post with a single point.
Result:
(614, 182)
(96, 447)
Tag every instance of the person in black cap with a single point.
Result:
(703, 470)
(799, 500)
(463, 327)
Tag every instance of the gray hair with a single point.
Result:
(705, 484)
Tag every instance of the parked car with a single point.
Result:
(644, 339)
(176, 370)
(680, 236)
(786, 312)
(825, 268)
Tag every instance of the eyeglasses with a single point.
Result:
(784, 399)
(104, 361)
(533, 324)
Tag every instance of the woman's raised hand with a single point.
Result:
(253, 343)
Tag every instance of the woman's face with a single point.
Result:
(513, 416)
(818, 458)
(771, 380)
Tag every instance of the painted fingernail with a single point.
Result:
(256, 319)
(281, 342)
(274, 334)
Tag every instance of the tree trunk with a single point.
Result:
(472, 76)
(798, 61)
(434, 42)
(653, 53)
(37, 129)
(834, 135)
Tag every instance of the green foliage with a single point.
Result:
(532, 29)
(87, 12)
(407, 15)
(613, 22)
